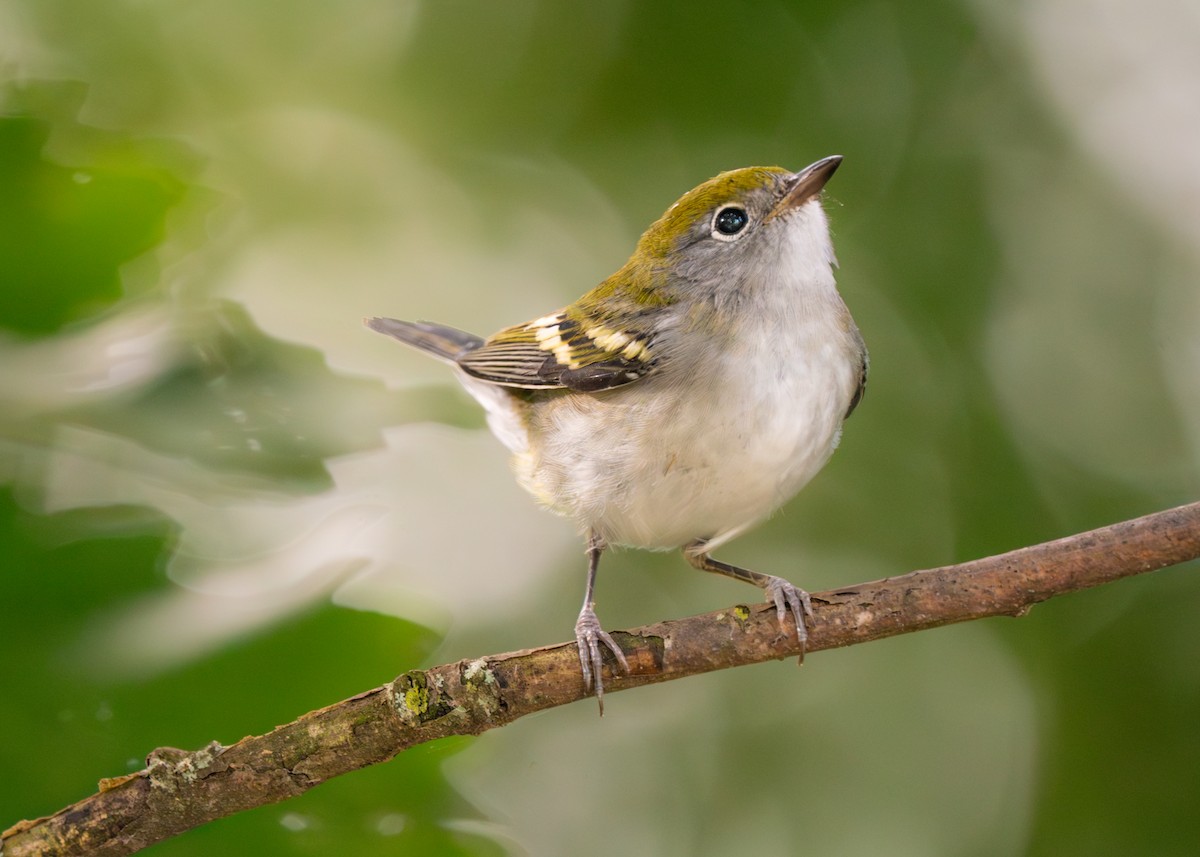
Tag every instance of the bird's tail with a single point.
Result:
(504, 410)
(438, 340)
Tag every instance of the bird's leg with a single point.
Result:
(780, 592)
(588, 633)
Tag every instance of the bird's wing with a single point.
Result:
(559, 351)
(864, 368)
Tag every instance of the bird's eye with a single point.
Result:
(729, 221)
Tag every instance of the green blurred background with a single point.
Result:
(223, 503)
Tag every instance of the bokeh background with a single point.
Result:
(224, 503)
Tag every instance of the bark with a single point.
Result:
(179, 790)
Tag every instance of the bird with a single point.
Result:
(686, 397)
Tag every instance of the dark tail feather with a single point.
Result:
(445, 343)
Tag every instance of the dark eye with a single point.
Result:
(730, 220)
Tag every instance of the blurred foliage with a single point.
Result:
(198, 202)
(304, 663)
(243, 402)
(64, 232)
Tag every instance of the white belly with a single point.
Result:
(646, 467)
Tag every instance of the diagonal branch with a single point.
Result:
(180, 790)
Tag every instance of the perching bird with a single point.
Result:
(689, 395)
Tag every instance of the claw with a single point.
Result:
(588, 636)
(786, 595)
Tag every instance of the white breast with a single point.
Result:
(659, 465)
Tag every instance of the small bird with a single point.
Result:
(689, 395)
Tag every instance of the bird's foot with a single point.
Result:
(785, 596)
(588, 636)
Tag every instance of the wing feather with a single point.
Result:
(560, 352)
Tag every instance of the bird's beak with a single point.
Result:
(807, 183)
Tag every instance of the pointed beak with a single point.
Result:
(808, 183)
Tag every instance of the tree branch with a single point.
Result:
(179, 790)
